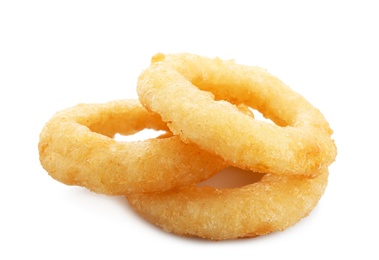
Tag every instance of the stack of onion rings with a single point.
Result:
(203, 104)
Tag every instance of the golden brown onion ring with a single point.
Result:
(182, 88)
(272, 204)
(76, 147)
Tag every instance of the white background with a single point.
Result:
(55, 54)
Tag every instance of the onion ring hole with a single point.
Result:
(232, 177)
(142, 135)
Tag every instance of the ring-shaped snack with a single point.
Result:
(77, 147)
(274, 203)
(194, 95)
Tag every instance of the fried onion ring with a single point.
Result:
(272, 204)
(193, 94)
(76, 147)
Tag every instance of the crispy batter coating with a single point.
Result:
(194, 95)
(76, 147)
(205, 106)
(272, 204)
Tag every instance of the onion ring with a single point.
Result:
(187, 91)
(76, 148)
(272, 204)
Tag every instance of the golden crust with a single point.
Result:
(207, 104)
(76, 148)
(272, 204)
(188, 91)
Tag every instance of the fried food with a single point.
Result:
(195, 96)
(206, 106)
(272, 204)
(76, 147)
